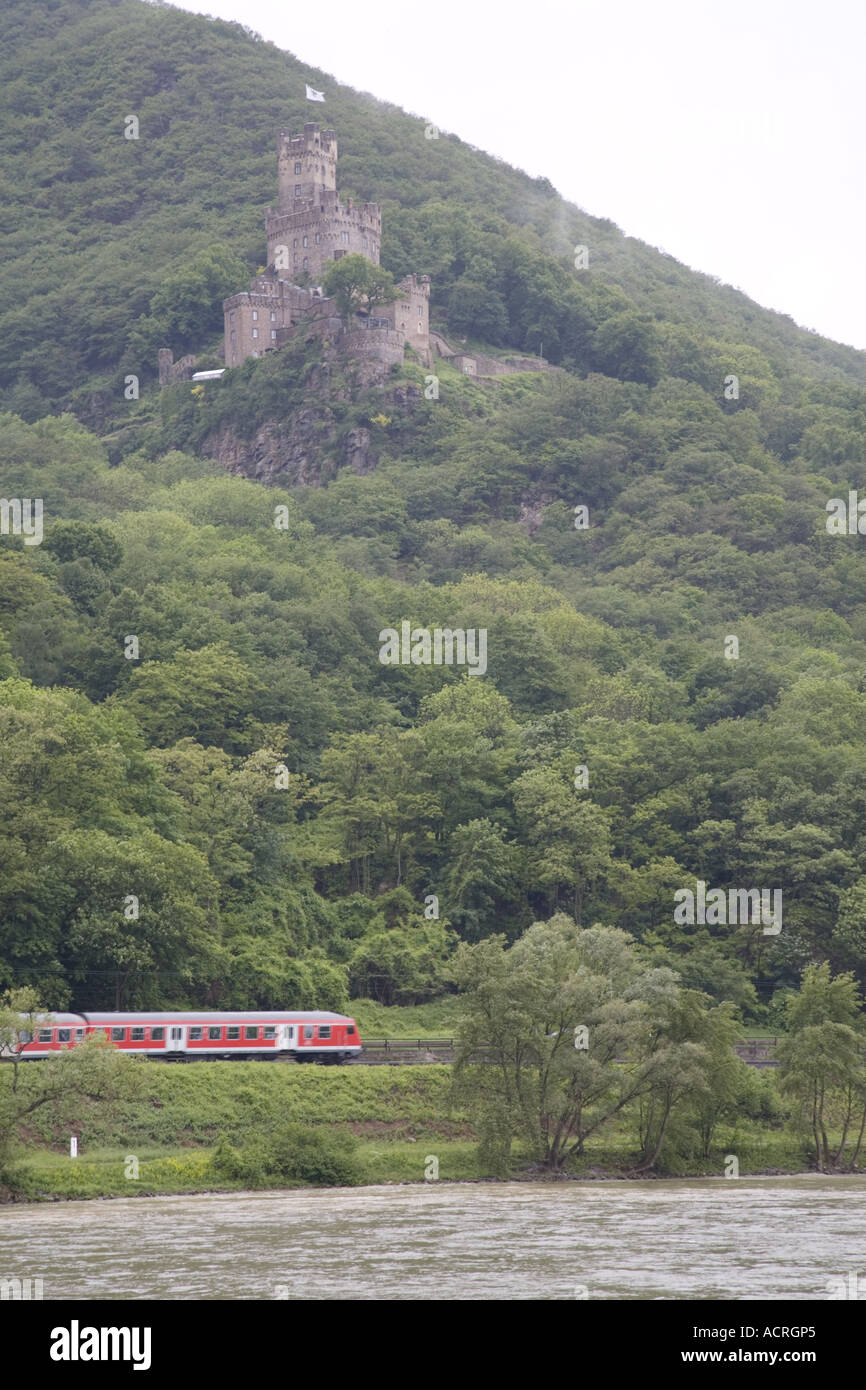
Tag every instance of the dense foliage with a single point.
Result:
(249, 807)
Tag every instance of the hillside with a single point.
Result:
(283, 805)
(98, 233)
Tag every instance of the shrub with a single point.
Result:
(321, 1157)
(326, 1158)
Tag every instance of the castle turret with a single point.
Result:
(306, 166)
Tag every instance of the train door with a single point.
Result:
(176, 1040)
(285, 1037)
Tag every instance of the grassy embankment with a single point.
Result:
(399, 1115)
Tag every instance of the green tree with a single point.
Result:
(569, 1019)
(74, 1083)
(567, 835)
(357, 283)
(823, 1062)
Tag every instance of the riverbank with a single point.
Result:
(403, 1122)
(404, 1125)
(56, 1178)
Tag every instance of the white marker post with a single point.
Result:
(73, 1147)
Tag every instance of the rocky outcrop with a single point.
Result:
(308, 447)
(290, 452)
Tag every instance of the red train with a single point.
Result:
(249, 1035)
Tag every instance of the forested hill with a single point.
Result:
(98, 233)
(213, 790)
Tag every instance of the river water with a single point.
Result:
(748, 1238)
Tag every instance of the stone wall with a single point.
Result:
(478, 364)
(171, 371)
(331, 229)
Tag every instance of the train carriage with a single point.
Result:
(246, 1035)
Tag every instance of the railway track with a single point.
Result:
(396, 1052)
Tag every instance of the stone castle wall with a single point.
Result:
(171, 371)
(306, 239)
(383, 344)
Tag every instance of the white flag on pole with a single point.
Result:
(313, 95)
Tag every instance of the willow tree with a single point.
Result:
(823, 1064)
(574, 1031)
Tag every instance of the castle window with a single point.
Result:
(255, 332)
(273, 316)
(273, 333)
(318, 237)
(306, 241)
(232, 316)
(297, 168)
(306, 263)
(255, 313)
(345, 236)
(295, 242)
(297, 190)
(420, 310)
(234, 336)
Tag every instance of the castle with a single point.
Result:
(308, 229)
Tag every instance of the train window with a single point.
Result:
(157, 1034)
(195, 1034)
(46, 1034)
(325, 1030)
(350, 1031)
(64, 1034)
(118, 1035)
(308, 1031)
(270, 1031)
(137, 1035)
(79, 1034)
(25, 1036)
(251, 1032)
(214, 1034)
(233, 1034)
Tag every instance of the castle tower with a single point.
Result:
(310, 226)
(306, 166)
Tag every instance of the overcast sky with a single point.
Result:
(730, 135)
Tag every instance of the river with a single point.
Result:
(747, 1238)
